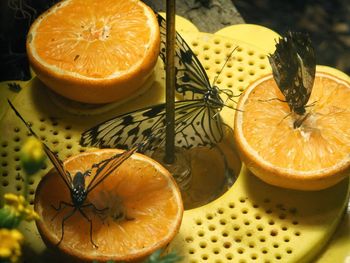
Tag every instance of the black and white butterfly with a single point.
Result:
(192, 80)
(294, 67)
(197, 120)
(76, 184)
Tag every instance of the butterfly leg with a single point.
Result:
(62, 224)
(90, 221)
(99, 212)
(61, 205)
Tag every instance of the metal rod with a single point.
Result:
(170, 82)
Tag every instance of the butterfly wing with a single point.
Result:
(107, 167)
(57, 163)
(128, 129)
(195, 125)
(191, 78)
(294, 66)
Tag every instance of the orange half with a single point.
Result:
(314, 156)
(144, 210)
(94, 51)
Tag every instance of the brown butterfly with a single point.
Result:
(294, 67)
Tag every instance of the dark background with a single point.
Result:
(327, 22)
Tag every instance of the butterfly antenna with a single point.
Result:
(19, 115)
(223, 66)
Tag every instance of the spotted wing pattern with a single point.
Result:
(191, 79)
(196, 124)
(294, 66)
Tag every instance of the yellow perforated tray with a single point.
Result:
(251, 222)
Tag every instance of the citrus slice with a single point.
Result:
(314, 156)
(94, 51)
(142, 210)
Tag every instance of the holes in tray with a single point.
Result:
(212, 228)
(4, 182)
(224, 233)
(223, 222)
(217, 41)
(199, 222)
(278, 256)
(289, 250)
(214, 239)
(250, 53)
(231, 205)
(240, 250)
(264, 250)
(274, 232)
(228, 45)
(238, 239)
(244, 211)
(229, 256)
(286, 239)
(201, 233)
(227, 244)
(220, 211)
(216, 251)
(189, 239)
(203, 244)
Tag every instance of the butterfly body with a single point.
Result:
(78, 192)
(213, 99)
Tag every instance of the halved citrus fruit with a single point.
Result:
(94, 51)
(314, 156)
(141, 204)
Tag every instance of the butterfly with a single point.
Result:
(76, 184)
(191, 77)
(197, 120)
(294, 67)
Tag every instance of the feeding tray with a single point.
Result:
(252, 221)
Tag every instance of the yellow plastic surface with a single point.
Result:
(252, 222)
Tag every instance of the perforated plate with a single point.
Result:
(251, 222)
